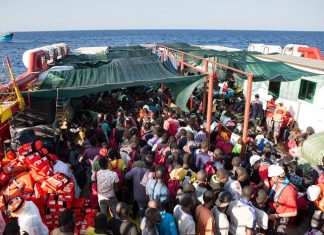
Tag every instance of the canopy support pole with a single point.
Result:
(246, 115)
(204, 101)
(210, 103)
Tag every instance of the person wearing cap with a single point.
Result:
(283, 198)
(270, 108)
(278, 117)
(219, 212)
(253, 171)
(315, 195)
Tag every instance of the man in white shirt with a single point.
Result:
(30, 220)
(219, 212)
(234, 188)
(107, 183)
(183, 217)
(242, 214)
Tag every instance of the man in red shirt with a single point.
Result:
(283, 198)
(270, 108)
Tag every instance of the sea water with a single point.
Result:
(23, 41)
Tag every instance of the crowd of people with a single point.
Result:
(149, 168)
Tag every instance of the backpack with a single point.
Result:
(113, 141)
(131, 161)
(173, 129)
(159, 157)
(173, 186)
(209, 168)
(119, 173)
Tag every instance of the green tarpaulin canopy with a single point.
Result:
(97, 76)
(313, 149)
(242, 60)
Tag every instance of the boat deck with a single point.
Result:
(297, 61)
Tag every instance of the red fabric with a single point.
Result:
(270, 108)
(263, 171)
(287, 201)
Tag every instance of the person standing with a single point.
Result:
(219, 212)
(270, 108)
(283, 201)
(204, 217)
(67, 222)
(122, 226)
(107, 184)
(156, 189)
(278, 117)
(182, 214)
(242, 214)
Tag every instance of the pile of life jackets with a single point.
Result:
(28, 173)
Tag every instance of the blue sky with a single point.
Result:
(42, 15)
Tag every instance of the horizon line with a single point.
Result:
(172, 29)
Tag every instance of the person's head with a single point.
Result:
(191, 122)
(103, 152)
(209, 198)
(112, 154)
(188, 201)
(101, 222)
(159, 173)
(122, 210)
(165, 138)
(205, 145)
(67, 220)
(236, 161)
(147, 126)
(257, 97)
(183, 132)
(190, 136)
(174, 148)
(224, 198)
(149, 160)
(276, 172)
(247, 193)
(310, 131)
(188, 188)
(12, 228)
(152, 216)
(93, 141)
(222, 175)
(218, 153)
(187, 159)
(241, 174)
(255, 161)
(154, 204)
(202, 177)
(103, 163)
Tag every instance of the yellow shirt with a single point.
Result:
(121, 165)
(180, 174)
(91, 231)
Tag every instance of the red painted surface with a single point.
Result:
(311, 52)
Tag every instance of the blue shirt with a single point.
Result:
(167, 225)
(157, 191)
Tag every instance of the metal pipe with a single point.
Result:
(182, 62)
(205, 87)
(209, 104)
(246, 115)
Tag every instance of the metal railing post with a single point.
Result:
(246, 115)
